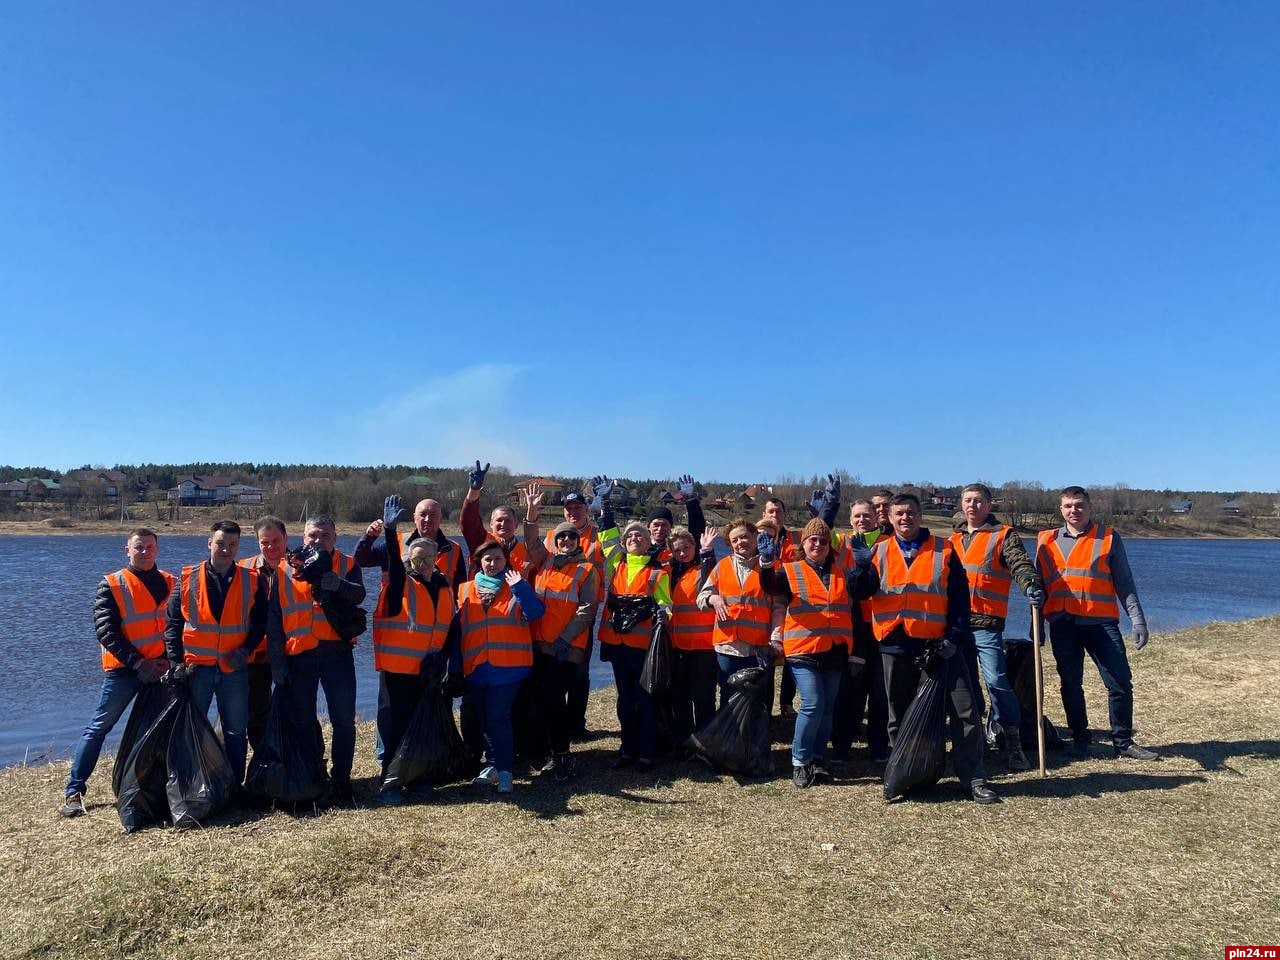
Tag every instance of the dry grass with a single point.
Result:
(1104, 859)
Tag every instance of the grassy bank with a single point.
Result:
(1104, 859)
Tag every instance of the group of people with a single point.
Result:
(855, 621)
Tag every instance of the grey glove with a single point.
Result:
(475, 477)
(393, 512)
(149, 671)
(768, 548)
(1140, 637)
(816, 502)
(832, 489)
(330, 581)
(236, 659)
(686, 488)
(861, 552)
(602, 488)
(1036, 596)
(560, 649)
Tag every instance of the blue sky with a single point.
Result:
(916, 242)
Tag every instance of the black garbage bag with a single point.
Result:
(431, 750)
(1020, 665)
(737, 737)
(628, 610)
(527, 728)
(655, 675)
(147, 706)
(201, 781)
(348, 619)
(142, 799)
(288, 763)
(919, 754)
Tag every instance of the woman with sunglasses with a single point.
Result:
(567, 583)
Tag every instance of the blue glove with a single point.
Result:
(280, 673)
(832, 489)
(858, 547)
(686, 488)
(393, 512)
(476, 476)
(768, 548)
(816, 502)
(560, 649)
(236, 659)
(1036, 596)
(947, 649)
(330, 581)
(602, 487)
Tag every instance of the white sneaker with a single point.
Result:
(486, 777)
(504, 781)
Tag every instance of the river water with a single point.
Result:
(50, 680)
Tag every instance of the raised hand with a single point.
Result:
(832, 489)
(393, 512)
(768, 548)
(709, 538)
(475, 476)
(512, 577)
(686, 488)
(533, 495)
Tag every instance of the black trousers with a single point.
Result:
(259, 701)
(579, 693)
(553, 680)
(859, 697)
(694, 675)
(398, 697)
(902, 677)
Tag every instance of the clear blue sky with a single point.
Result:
(914, 241)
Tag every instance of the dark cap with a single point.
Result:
(573, 496)
(661, 513)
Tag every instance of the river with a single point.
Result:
(50, 682)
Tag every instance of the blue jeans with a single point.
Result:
(1105, 646)
(233, 709)
(636, 715)
(333, 670)
(118, 689)
(817, 689)
(1004, 703)
(494, 707)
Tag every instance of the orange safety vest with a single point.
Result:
(142, 620)
(589, 543)
(846, 558)
(914, 596)
(644, 584)
(204, 639)
(691, 628)
(497, 634)
(989, 582)
(819, 616)
(748, 605)
(258, 564)
(1079, 583)
(402, 642)
(561, 590)
(301, 616)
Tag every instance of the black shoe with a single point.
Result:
(566, 768)
(981, 793)
(73, 806)
(802, 777)
(582, 735)
(422, 791)
(822, 773)
(623, 762)
(1080, 749)
(1135, 752)
(391, 797)
(341, 795)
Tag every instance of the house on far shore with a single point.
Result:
(243, 493)
(17, 489)
(193, 491)
(554, 491)
(113, 482)
(39, 488)
(1231, 508)
(1180, 506)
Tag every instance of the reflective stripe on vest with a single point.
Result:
(748, 607)
(142, 620)
(402, 642)
(258, 564)
(989, 582)
(690, 627)
(624, 586)
(914, 596)
(561, 590)
(1080, 582)
(301, 616)
(819, 615)
(497, 634)
(205, 640)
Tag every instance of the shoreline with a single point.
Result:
(99, 528)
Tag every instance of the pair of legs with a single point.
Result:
(1004, 702)
(493, 705)
(554, 680)
(232, 691)
(859, 697)
(693, 691)
(259, 700)
(817, 688)
(331, 668)
(1105, 647)
(398, 697)
(119, 687)
(636, 713)
(902, 677)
